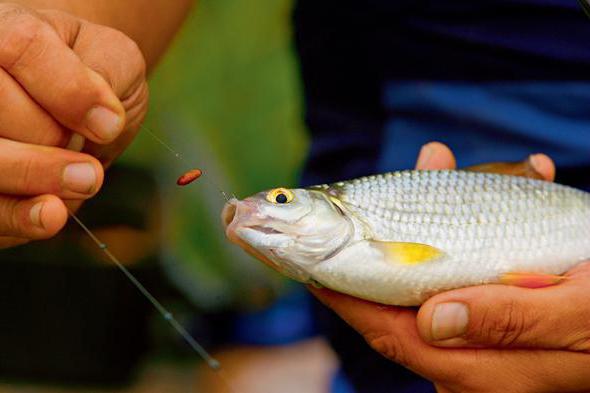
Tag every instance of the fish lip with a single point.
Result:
(228, 216)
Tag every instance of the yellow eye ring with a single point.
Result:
(280, 196)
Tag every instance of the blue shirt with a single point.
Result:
(497, 80)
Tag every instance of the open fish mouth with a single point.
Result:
(235, 217)
(236, 214)
(265, 230)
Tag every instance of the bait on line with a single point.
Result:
(189, 177)
(184, 180)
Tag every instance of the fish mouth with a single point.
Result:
(265, 230)
(242, 223)
(236, 214)
(230, 217)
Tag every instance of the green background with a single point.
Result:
(227, 98)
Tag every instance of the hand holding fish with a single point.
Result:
(504, 338)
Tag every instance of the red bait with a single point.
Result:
(189, 177)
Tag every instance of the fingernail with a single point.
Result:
(424, 156)
(80, 178)
(534, 161)
(35, 214)
(103, 122)
(449, 320)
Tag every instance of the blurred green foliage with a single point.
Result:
(227, 97)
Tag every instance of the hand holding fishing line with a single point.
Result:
(63, 81)
(503, 338)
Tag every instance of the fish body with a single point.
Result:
(402, 237)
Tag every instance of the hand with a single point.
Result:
(491, 338)
(62, 80)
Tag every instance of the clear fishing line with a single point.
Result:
(181, 158)
(166, 314)
(211, 362)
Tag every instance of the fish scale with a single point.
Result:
(486, 225)
(400, 237)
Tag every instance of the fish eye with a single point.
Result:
(280, 196)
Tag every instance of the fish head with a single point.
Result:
(290, 230)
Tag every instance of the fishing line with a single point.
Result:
(213, 363)
(181, 158)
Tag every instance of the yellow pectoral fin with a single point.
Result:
(408, 253)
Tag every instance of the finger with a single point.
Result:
(543, 165)
(389, 330)
(79, 98)
(24, 120)
(511, 317)
(435, 155)
(9, 242)
(537, 166)
(392, 332)
(35, 170)
(127, 78)
(36, 218)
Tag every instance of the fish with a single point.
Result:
(399, 238)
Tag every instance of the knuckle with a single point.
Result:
(503, 328)
(122, 65)
(389, 346)
(6, 83)
(17, 224)
(135, 58)
(26, 179)
(580, 334)
(29, 180)
(466, 375)
(581, 344)
(22, 43)
(126, 51)
(136, 106)
(76, 87)
(10, 220)
(8, 12)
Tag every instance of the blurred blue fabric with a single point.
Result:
(494, 79)
(287, 320)
(483, 122)
(340, 383)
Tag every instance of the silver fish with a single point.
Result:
(401, 237)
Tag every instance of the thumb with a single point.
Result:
(536, 166)
(434, 156)
(504, 316)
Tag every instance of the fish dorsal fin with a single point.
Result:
(408, 253)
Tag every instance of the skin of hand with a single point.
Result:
(152, 24)
(67, 80)
(75, 95)
(490, 338)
